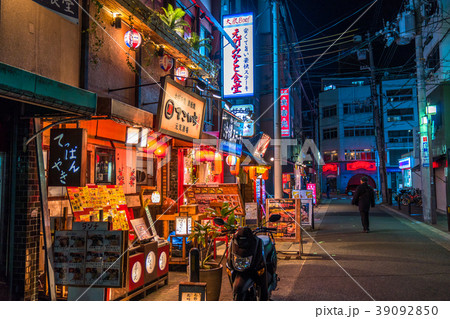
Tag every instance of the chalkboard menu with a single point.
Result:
(67, 161)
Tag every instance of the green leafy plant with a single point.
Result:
(204, 235)
(174, 18)
(196, 43)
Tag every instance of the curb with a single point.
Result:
(418, 223)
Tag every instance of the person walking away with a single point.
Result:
(328, 190)
(364, 198)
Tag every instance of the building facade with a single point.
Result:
(347, 140)
(73, 68)
(436, 50)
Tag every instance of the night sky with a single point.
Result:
(311, 17)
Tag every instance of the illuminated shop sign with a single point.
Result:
(231, 134)
(238, 63)
(285, 117)
(244, 112)
(180, 112)
(369, 166)
(404, 163)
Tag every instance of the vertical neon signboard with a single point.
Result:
(285, 117)
(238, 63)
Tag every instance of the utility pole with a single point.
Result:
(429, 214)
(378, 123)
(277, 178)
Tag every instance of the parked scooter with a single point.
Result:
(252, 262)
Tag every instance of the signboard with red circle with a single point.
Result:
(166, 62)
(181, 73)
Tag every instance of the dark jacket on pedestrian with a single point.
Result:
(364, 197)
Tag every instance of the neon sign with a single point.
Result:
(238, 63)
(368, 166)
(330, 167)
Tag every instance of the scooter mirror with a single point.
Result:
(219, 221)
(274, 218)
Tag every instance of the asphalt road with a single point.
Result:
(399, 259)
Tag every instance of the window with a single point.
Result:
(330, 156)
(105, 172)
(329, 133)
(357, 107)
(350, 131)
(366, 154)
(399, 95)
(329, 111)
(400, 136)
(406, 114)
(395, 155)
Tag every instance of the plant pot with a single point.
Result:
(213, 279)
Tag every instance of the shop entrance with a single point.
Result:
(355, 181)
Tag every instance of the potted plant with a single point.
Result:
(204, 236)
(174, 19)
(196, 43)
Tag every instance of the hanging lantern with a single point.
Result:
(209, 156)
(234, 169)
(200, 156)
(161, 151)
(166, 62)
(231, 160)
(181, 73)
(133, 39)
(218, 162)
(265, 175)
(252, 172)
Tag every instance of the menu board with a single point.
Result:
(306, 212)
(288, 227)
(205, 194)
(302, 194)
(140, 228)
(85, 258)
(88, 201)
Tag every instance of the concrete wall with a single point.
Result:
(40, 41)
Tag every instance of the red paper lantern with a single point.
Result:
(161, 151)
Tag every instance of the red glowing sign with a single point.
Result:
(285, 118)
(312, 187)
(330, 167)
(368, 166)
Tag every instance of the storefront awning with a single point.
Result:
(26, 86)
(124, 113)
